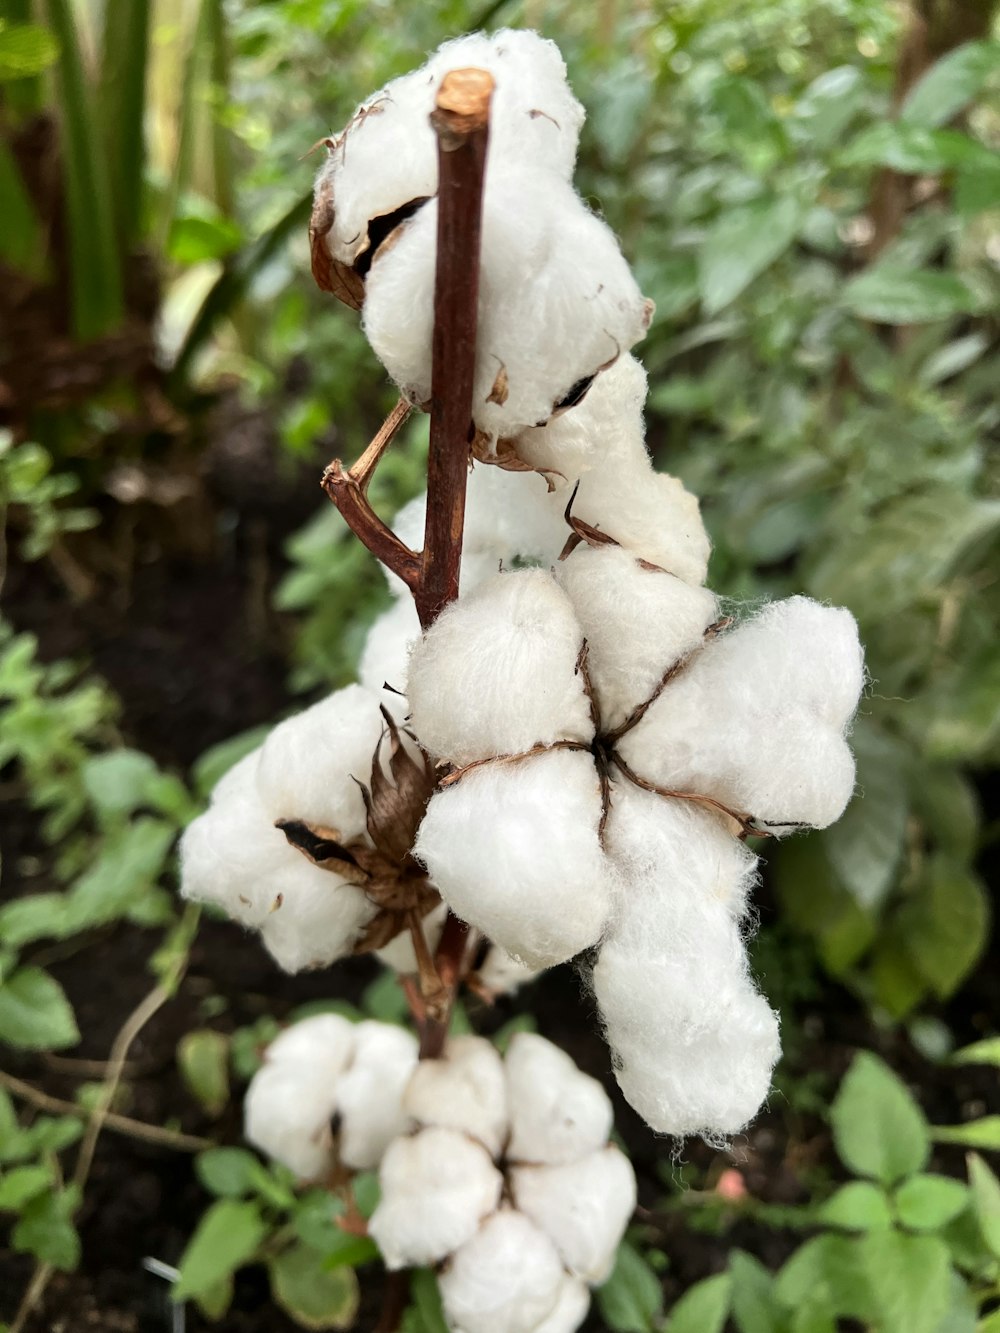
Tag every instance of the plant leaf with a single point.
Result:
(892, 295)
(985, 1201)
(927, 1202)
(702, 1308)
(878, 1128)
(631, 1298)
(203, 1059)
(857, 1206)
(34, 1012)
(950, 84)
(316, 1297)
(741, 245)
(227, 1236)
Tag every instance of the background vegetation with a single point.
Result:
(810, 191)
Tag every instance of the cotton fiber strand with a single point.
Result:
(505, 1279)
(557, 1112)
(463, 1090)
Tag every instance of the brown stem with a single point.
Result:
(395, 1298)
(448, 963)
(461, 121)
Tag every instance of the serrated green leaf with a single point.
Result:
(878, 1128)
(950, 84)
(23, 1183)
(857, 1206)
(929, 1202)
(910, 1280)
(34, 1012)
(704, 1307)
(906, 296)
(741, 245)
(631, 1298)
(316, 1297)
(985, 1201)
(227, 1236)
(203, 1059)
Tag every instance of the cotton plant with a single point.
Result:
(561, 740)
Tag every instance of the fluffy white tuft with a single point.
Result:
(557, 1112)
(570, 1309)
(386, 655)
(757, 720)
(514, 850)
(436, 1188)
(500, 974)
(463, 1090)
(496, 673)
(582, 1206)
(694, 1043)
(370, 1093)
(506, 1279)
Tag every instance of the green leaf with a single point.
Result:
(914, 149)
(426, 1297)
(950, 84)
(815, 902)
(826, 1276)
(22, 244)
(216, 762)
(193, 240)
(878, 1128)
(704, 1307)
(314, 1296)
(944, 926)
(984, 1133)
(22, 1184)
(985, 1201)
(384, 999)
(230, 1173)
(203, 1059)
(857, 1206)
(33, 918)
(928, 1202)
(754, 1304)
(906, 296)
(367, 1192)
(116, 782)
(978, 188)
(227, 1236)
(910, 1279)
(34, 1012)
(953, 358)
(985, 1052)
(741, 245)
(865, 846)
(216, 1300)
(631, 1298)
(128, 866)
(26, 49)
(47, 1231)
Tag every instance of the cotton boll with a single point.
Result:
(385, 659)
(506, 1279)
(324, 1043)
(582, 1206)
(309, 763)
(399, 953)
(509, 516)
(237, 781)
(370, 1093)
(557, 300)
(756, 720)
(501, 974)
(463, 1090)
(315, 916)
(436, 1188)
(694, 1043)
(570, 1309)
(514, 850)
(292, 1098)
(388, 154)
(557, 1112)
(497, 672)
(637, 622)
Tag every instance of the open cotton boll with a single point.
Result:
(287, 1114)
(315, 917)
(387, 156)
(464, 1090)
(324, 1043)
(570, 1309)
(509, 516)
(500, 974)
(637, 622)
(582, 1206)
(514, 850)
(497, 672)
(436, 1188)
(756, 720)
(557, 301)
(386, 655)
(370, 1093)
(557, 1112)
(309, 763)
(605, 426)
(693, 1041)
(506, 1279)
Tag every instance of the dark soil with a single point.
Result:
(195, 654)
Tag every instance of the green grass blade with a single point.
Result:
(22, 241)
(96, 285)
(122, 102)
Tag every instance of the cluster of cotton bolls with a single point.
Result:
(497, 1170)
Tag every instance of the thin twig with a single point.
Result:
(497, 760)
(364, 469)
(36, 1288)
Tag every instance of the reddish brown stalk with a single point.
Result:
(461, 120)
(448, 964)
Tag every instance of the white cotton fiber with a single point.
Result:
(500, 974)
(506, 1279)
(757, 720)
(557, 1112)
(315, 917)
(464, 1090)
(309, 763)
(694, 1043)
(637, 622)
(385, 658)
(557, 300)
(436, 1188)
(570, 1309)
(496, 672)
(370, 1093)
(323, 1042)
(514, 850)
(387, 156)
(399, 953)
(583, 1207)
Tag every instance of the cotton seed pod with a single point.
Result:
(315, 918)
(582, 1206)
(514, 850)
(386, 158)
(506, 1279)
(557, 1112)
(757, 720)
(370, 1093)
(638, 623)
(557, 301)
(436, 1188)
(309, 763)
(694, 1043)
(463, 1090)
(497, 672)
